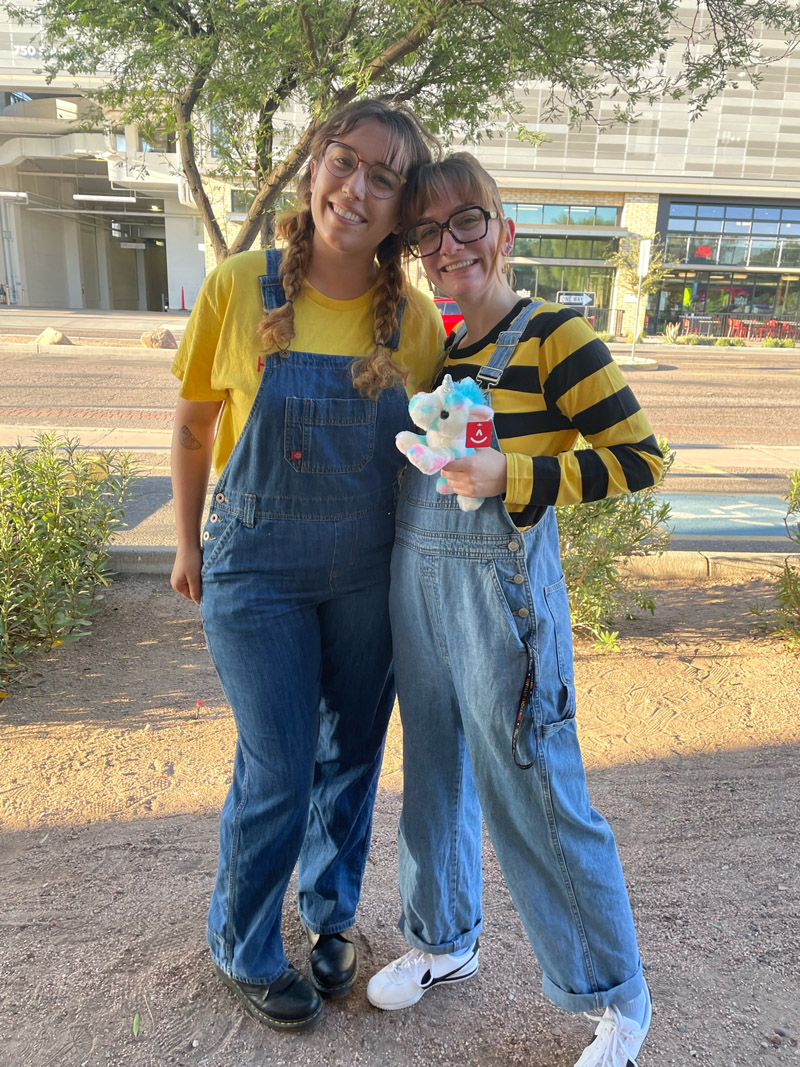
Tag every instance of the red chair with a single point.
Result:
(736, 328)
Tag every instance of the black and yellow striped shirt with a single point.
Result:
(561, 381)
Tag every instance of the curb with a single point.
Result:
(728, 566)
(83, 350)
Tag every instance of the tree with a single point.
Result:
(216, 73)
(626, 261)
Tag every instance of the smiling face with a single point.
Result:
(468, 273)
(348, 218)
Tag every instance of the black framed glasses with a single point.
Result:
(341, 160)
(466, 225)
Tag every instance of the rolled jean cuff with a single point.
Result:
(326, 928)
(458, 944)
(627, 990)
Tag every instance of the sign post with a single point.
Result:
(644, 263)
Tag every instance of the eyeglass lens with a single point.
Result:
(469, 224)
(341, 161)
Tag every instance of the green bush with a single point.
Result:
(723, 342)
(687, 339)
(58, 508)
(595, 538)
(604, 335)
(738, 342)
(706, 341)
(671, 333)
(784, 616)
(777, 342)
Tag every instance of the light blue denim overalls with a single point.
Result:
(484, 670)
(295, 573)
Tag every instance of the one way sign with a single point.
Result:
(576, 299)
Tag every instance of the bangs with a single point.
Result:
(460, 177)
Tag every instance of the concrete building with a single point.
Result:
(94, 219)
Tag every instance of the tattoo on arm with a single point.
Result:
(188, 439)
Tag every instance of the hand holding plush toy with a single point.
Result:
(445, 415)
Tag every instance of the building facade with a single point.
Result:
(722, 194)
(104, 220)
(95, 219)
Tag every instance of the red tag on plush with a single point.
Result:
(479, 434)
(296, 455)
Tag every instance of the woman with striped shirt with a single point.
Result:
(482, 637)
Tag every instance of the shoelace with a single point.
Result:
(410, 961)
(613, 1035)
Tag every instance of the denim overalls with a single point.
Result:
(295, 574)
(484, 670)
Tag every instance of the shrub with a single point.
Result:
(784, 617)
(605, 336)
(595, 538)
(777, 342)
(723, 342)
(706, 341)
(687, 339)
(737, 342)
(629, 337)
(671, 333)
(58, 509)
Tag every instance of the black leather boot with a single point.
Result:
(333, 964)
(290, 1003)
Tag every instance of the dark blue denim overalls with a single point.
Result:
(296, 555)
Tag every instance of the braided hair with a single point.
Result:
(377, 370)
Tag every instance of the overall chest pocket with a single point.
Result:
(329, 436)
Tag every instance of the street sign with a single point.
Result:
(576, 299)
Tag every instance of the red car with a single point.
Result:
(451, 315)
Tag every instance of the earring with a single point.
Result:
(506, 265)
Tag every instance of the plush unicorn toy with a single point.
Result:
(454, 416)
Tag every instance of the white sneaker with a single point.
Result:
(403, 982)
(616, 1040)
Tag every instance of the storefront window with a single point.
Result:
(581, 216)
(554, 248)
(526, 246)
(606, 216)
(529, 214)
(764, 253)
(676, 249)
(579, 248)
(732, 251)
(790, 254)
(555, 215)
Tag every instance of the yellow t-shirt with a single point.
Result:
(221, 356)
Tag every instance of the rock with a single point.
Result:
(51, 336)
(160, 338)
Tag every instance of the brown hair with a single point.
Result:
(460, 173)
(413, 147)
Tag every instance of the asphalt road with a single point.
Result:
(721, 396)
(694, 396)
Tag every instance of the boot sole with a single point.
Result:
(285, 1025)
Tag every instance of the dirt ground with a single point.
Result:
(112, 776)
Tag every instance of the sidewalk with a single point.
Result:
(712, 533)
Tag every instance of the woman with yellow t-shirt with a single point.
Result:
(305, 356)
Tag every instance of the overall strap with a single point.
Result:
(272, 293)
(488, 377)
